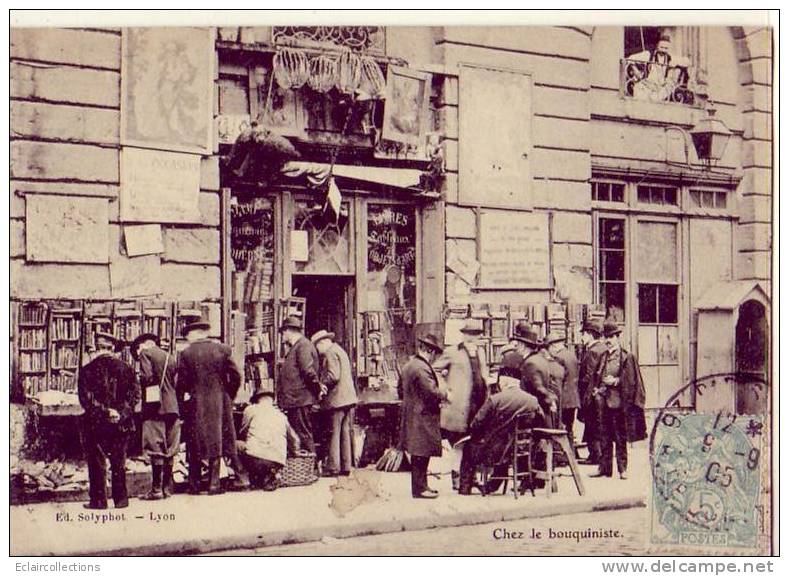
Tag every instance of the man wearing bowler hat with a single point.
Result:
(299, 388)
(421, 413)
(570, 401)
(591, 408)
(161, 426)
(536, 371)
(108, 392)
(617, 382)
(465, 368)
(208, 380)
(338, 403)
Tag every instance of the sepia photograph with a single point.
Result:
(334, 283)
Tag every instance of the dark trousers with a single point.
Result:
(196, 473)
(339, 453)
(614, 431)
(568, 419)
(98, 451)
(419, 474)
(300, 419)
(262, 472)
(593, 428)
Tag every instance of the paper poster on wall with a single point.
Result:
(143, 239)
(167, 86)
(514, 250)
(66, 229)
(299, 245)
(159, 186)
(135, 277)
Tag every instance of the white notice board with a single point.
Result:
(159, 186)
(515, 250)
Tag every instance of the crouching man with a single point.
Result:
(266, 440)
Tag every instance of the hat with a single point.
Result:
(472, 326)
(528, 335)
(260, 390)
(293, 322)
(431, 341)
(594, 325)
(521, 328)
(610, 328)
(320, 335)
(145, 337)
(552, 337)
(195, 324)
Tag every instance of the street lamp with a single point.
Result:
(710, 136)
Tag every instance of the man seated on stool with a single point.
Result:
(491, 430)
(267, 438)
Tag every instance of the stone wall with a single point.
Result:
(65, 139)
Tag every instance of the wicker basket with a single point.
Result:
(299, 470)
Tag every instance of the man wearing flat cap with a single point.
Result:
(338, 403)
(420, 420)
(299, 388)
(465, 368)
(591, 408)
(108, 392)
(161, 426)
(618, 384)
(208, 380)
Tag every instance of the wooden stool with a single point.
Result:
(547, 438)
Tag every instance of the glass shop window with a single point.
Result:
(708, 199)
(611, 273)
(658, 195)
(608, 192)
(321, 239)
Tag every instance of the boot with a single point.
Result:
(167, 478)
(156, 484)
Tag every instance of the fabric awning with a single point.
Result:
(317, 173)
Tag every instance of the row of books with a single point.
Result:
(258, 342)
(35, 314)
(33, 338)
(32, 361)
(65, 357)
(65, 328)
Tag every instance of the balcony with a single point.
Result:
(655, 82)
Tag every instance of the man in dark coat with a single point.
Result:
(491, 430)
(570, 401)
(299, 388)
(536, 373)
(161, 426)
(421, 413)
(591, 406)
(617, 381)
(208, 380)
(108, 392)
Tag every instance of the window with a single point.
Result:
(657, 64)
(611, 268)
(708, 199)
(659, 195)
(657, 304)
(327, 239)
(608, 192)
(391, 257)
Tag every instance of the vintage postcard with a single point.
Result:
(288, 288)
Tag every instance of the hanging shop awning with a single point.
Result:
(317, 173)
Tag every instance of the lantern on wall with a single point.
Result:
(710, 136)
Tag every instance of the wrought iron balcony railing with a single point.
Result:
(655, 82)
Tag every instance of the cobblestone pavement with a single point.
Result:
(489, 539)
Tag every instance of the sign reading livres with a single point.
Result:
(515, 250)
(159, 186)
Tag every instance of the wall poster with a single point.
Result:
(167, 88)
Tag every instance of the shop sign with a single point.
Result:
(159, 186)
(515, 250)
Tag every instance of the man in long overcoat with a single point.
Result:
(299, 388)
(465, 369)
(536, 373)
(421, 413)
(591, 406)
(617, 382)
(108, 392)
(208, 380)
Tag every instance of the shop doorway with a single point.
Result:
(751, 344)
(329, 305)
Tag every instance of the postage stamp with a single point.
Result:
(708, 479)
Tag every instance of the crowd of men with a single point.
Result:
(191, 397)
